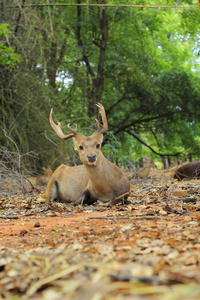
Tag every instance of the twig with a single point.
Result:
(149, 188)
(130, 217)
(12, 167)
(33, 187)
(122, 196)
(9, 217)
(45, 281)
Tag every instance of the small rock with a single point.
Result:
(37, 224)
(187, 200)
(162, 212)
(23, 232)
(179, 193)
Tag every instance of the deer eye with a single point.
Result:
(98, 146)
(81, 147)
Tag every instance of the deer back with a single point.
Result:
(190, 170)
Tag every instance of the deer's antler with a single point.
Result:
(58, 130)
(104, 119)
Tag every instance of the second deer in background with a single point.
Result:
(43, 179)
(188, 171)
(142, 173)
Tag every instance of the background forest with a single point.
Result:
(141, 63)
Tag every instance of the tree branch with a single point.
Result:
(158, 153)
(19, 16)
(138, 121)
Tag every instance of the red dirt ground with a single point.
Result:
(21, 233)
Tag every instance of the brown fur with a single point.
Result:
(189, 171)
(43, 179)
(142, 172)
(96, 179)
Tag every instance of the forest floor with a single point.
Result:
(147, 249)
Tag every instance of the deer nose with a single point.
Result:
(91, 158)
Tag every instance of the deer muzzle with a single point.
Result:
(92, 159)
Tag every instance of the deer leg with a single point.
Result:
(85, 198)
(50, 194)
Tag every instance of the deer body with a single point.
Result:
(189, 171)
(144, 172)
(109, 181)
(62, 183)
(96, 179)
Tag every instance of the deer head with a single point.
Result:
(88, 147)
(150, 163)
(47, 171)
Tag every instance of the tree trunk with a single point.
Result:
(166, 163)
(97, 80)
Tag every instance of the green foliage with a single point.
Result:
(146, 74)
(7, 56)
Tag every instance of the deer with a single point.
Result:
(142, 172)
(188, 171)
(96, 179)
(43, 179)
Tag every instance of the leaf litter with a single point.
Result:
(146, 249)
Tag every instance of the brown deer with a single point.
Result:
(43, 179)
(142, 172)
(188, 171)
(96, 179)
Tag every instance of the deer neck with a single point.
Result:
(147, 170)
(99, 174)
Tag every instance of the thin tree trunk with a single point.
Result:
(97, 80)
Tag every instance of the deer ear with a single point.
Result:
(75, 142)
